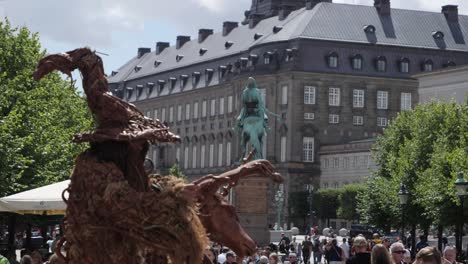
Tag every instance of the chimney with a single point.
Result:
(254, 19)
(181, 40)
(160, 46)
(203, 34)
(312, 3)
(143, 51)
(383, 7)
(228, 26)
(450, 12)
(285, 11)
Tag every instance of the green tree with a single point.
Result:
(37, 119)
(325, 203)
(298, 207)
(176, 171)
(348, 201)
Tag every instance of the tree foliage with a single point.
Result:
(326, 203)
(37, 119)
(347, 199)
(176, 171)
(424, 149)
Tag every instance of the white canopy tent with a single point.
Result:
(46, 200)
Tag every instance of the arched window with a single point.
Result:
(450, 63)
(356, 62)
(332, 60)
(381, 64)
(427, 65)
(404, 65)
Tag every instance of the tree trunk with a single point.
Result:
(440, 230)
(11, 233)
(413, 241)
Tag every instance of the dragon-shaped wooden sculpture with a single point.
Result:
(115, 212)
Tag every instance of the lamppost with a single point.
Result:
(310, 190)
(403, 195)
(461, 186)
(279, 198)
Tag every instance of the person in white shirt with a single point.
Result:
(345, 247)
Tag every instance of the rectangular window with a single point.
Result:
(194, 157)
(187, 111)
(309, 116)
(195, 110)
(266, 60)
(148, 114)
(203, 109)
(381, 65)
(211, 156)
(156, 114)
(177, 155)
(179, 113)
(308, 149)
(334, 96)
(228, 153)
(221, 106)
(382, 121)
(163, 115)
(382, 100)
(404, 66)
(186, 165)
(171, 114)
(229, 106)
(333, 119)
(358, 120)
(220, 154)
(284, 95)
(283, 149)
(405, 101)
(358, 98)
(202, 156)
(213, 107)
(309, 95)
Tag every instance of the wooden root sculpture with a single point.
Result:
(115, 212)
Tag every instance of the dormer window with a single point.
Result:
(179, 57)
(114, 73)
(221, 71)
(137, 68)
(438, 35)
(253, 59)
(427, 65)
(161, 84)
(332, 60)
(208, 75)
(257, 36)
(172, 81)
(356, 62)
(229, 67)
(228, 44)
(183, 81)
(267, 57)
(244, 62)
(381, 64)
(277, 29)
(202, 51)
(404, 65)
(450, 63)
(157, 63)
(129, 91)
(139, 90)
(290, 54)
(150, 87)
(369, 29)
(195, 79)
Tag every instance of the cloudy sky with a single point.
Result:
(119, 27)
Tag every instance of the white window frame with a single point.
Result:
(229, 104)
(283, 149)
(171, 114)
(405, 101)
(308, 145)
(148, 113)
(358, 98)
(284, 95)
(202, 156)
(163, 114)
(382, 121)
(309, 116)
(156, 114)
(333, 119)
(404, 66)
(334, 96)
(266, 59)
(221, 106)
(357, 63)
(179, 113)
(187, 111)
(220, 154)
(381, 65)
(358, 120)
(186, 157)
(204, 105)
(333, 61)
(228, 153)
(211, 156)
(213, 107)
(382, 100)
(177, 155)
(194, 157)
(309, 95)
(195, 110)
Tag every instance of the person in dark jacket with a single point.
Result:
(361, 255)
(334, 254)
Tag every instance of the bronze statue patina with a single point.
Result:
(115, 212)
(252, 120)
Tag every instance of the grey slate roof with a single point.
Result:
(326, 21)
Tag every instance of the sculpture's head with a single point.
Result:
(222, 224)
(251, 83)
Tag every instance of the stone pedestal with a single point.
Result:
(252, 207)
